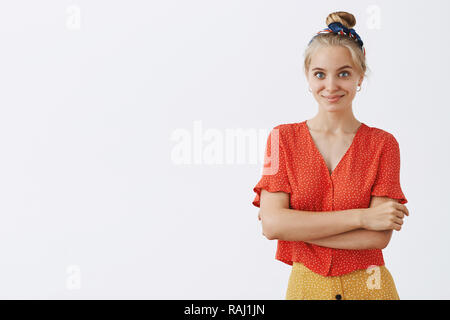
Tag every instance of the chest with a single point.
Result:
(330, 172)
(332, 148)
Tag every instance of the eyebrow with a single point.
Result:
(343, 67)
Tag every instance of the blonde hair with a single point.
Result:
(332, 39)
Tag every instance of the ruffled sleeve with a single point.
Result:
(274, 175)
(387, 182)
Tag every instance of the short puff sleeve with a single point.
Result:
(274, 175)
(387, 181)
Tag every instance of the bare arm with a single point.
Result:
(360, 238)
(355, 239)
(280, 222)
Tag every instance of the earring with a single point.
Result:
(359, 88)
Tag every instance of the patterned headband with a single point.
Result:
(338, 28)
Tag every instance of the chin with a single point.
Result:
(331, 107)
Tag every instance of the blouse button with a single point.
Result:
(338, 297)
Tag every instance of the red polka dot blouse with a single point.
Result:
(370, 167)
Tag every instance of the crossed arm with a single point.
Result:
(356, 239)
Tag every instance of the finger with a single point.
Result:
(401, 208)
(400, 214)
(398, 221)
(405, 210)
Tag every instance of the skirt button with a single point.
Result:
(338, 297)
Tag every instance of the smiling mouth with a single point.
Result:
(333, 97)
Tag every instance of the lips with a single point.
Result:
(334, 98)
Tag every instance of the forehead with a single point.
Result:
(331, 58)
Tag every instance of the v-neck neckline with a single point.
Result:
(320, 154)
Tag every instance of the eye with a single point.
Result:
(345, 72)
(315, 74)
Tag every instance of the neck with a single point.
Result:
(334, 122)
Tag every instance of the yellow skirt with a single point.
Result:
(373, 283)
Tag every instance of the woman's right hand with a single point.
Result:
(386, 216)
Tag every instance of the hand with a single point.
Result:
(259, 218)
(386, 216)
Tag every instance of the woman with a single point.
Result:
(330, 191)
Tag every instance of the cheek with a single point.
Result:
(349, 87)
(316, 85)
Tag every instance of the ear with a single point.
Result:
(360, 80)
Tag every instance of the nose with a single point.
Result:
(331, 84)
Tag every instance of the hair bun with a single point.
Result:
(347, 19)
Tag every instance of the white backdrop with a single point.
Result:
(102, 101)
